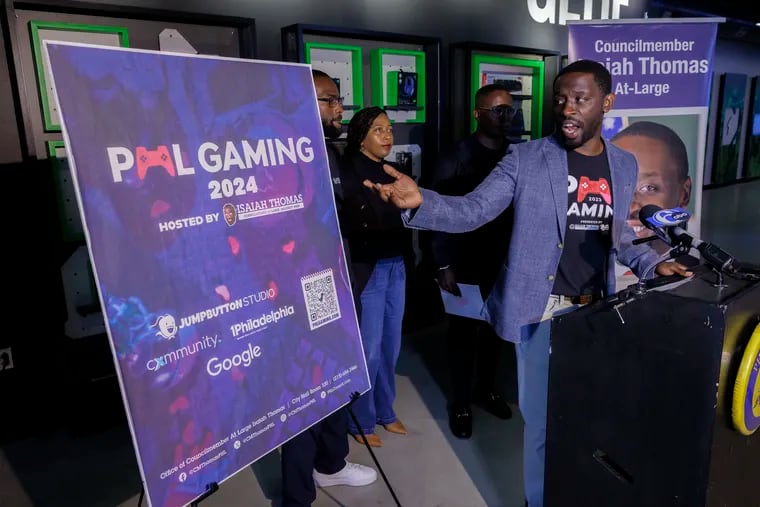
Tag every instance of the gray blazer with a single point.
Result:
(533, 178)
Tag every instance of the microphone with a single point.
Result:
(666, 224)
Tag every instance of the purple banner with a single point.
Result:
(212, 230)
(653, 64)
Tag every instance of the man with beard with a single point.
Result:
(331, 113)
(474, 258)
(318, 455)
(566, 235)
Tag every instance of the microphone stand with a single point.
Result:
(675, 251)
(716, 259)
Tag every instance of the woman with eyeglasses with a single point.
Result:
(378, 243)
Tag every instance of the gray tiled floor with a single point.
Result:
(731, 219)
(427, 468)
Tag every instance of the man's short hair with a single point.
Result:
(667, 136)
(487, 90)
(315, 73)
(599, 71)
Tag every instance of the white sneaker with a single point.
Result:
(353, 474)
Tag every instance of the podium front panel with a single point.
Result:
(632, 394)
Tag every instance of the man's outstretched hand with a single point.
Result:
(672, 268)
(402, 193)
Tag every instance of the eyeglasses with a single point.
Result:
(576, 102)
(331, 101)
(502, 111)
(379, 130)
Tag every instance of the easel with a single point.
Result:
(213, 487)
(354, 397)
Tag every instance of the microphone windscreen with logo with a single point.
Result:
(647, 212)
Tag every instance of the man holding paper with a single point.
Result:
(469, 263)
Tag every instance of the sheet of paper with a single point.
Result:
(469, 305)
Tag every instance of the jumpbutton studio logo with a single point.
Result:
(167, 326)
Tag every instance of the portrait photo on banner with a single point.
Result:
(666, 148)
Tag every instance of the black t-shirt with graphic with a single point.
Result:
(582, 267)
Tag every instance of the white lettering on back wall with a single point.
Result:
(558, 11)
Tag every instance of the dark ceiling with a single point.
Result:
(741, 17)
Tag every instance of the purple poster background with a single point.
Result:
(653, 64)
(214, 239)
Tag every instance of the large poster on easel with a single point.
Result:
(661, 73)
(210, 221)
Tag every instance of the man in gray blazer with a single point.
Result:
(570, 192)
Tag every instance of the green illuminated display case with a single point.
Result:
(526, 72)
(397, 72)
(398, 83)
(343, 62)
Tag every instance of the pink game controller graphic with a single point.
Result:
(154, 158)
(590, 187)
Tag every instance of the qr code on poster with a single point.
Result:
(321, 298)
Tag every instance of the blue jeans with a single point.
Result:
(382, 312)
(533, 386)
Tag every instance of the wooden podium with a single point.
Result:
(640, 395)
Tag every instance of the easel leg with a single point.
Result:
(354, 397)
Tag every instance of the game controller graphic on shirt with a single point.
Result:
(599, 187)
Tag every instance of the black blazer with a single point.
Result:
(371, 228)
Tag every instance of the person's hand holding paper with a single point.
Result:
(468, 304)
(447, 281)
